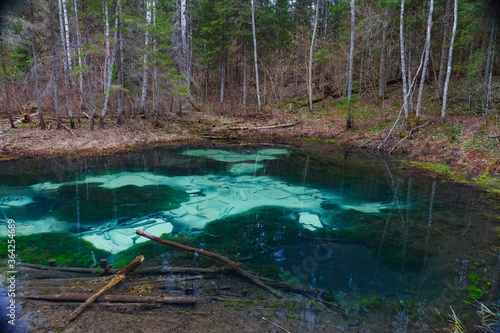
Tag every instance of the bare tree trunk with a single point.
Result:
(351, 65)
(145, 61)
(403, 62)
(106, 52)
(185, 52)
(255, 54)
(54, 73)
(155, 70)
(450, 57)
(110, 70)
(35, 70)
(78, 50)
(222, 81)
(89, 69)
(11, 120)
(489, 65)
(311, 54)
(444, 48)
(66, 33)
(66, 65)
(120, 64)
(245, 74)
(381, 85)
(426, 58)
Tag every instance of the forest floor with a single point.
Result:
(465, 148)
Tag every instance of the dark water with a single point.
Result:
(368, 232)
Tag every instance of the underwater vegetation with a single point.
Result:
(97, 204)
(65, 248)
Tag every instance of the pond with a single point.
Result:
(381, 240)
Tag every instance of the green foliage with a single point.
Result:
(374, 302)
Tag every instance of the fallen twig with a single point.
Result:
(116, 279)
(276, 325)
(232, 265)
(263, 127)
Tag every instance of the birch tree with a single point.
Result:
(78, 44)
(6, 88)
(381, 85)
(66, 33)
(255, 53)
(35, 71)
(450, 58)
(66, 65)
(110, 70)
(351, 65)
(311, 54)
(54, 67)
(426, 58)
(444, 48)
(145, 59)
(106, 46)
(403, 63)
(489, 65)
(89, 70)
(245, 73)
(120, 63)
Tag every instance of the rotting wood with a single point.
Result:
(232, 265)
(122, 274)
(276, 325)
(77, 297)
(263, 127)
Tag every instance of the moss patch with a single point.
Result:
(65, 248)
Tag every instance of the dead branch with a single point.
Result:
(263, 127)
(76, 297)
(232, 265)
(276, 325)
(122, 274)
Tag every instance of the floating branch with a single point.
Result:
(232, 265)
(122, 274)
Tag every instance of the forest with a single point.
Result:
(117, 59)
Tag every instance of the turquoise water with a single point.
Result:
(369, 232)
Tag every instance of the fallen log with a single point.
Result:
(122, 274)
(76, 297)
(231, 264)
(262, 127)
(144, 271)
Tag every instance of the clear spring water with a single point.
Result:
(346, 222)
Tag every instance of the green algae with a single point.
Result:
(65, 248)
(96, 204)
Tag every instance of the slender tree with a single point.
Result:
(381, 85)
(403, 62)
(351, 66)
(54, 67)
(66, 65)
(5, 85)
(106, 46)
(145, 59)
(66, 32)
(110, 71)
(255, 53)
(311, 54)
(444, 48)
(78, 47)
(120, 63)
(426, 58)
(489, 64)
(450, 58)
(35, 71)
(89, 69)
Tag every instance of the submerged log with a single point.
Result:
(76, 297)
(122, 274)
(231, 264)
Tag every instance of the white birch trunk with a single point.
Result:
(426, 58)
(489, 66)
(155, 70)
(381, 85)
(145, 61)
(351, 52)
(255, 53)
(120, 63)
(311, 53)
(66, 33)
(403, 62)
(65, 64)
(450, 58)
(110, 68)
(78, 50)
(106, 49)
(222, 82)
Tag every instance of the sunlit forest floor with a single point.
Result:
(463, 148)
